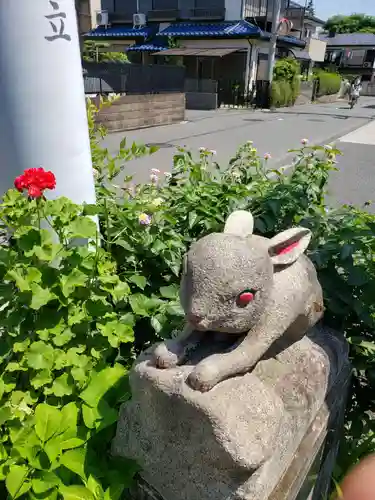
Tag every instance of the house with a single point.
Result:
(306, 26)
(352, 53)
(86, 14)
(222, 40)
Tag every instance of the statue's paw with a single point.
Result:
(204, 377)
(165, 358)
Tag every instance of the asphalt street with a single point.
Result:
(272, 132)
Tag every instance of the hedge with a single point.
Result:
(328, 83)
(286, 83)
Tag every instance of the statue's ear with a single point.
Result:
(286, 247)
(240, 223)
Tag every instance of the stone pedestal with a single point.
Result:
(268, 435)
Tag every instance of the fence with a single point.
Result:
(197, 85)
(368, 88)
(120, 78)
(231, 93)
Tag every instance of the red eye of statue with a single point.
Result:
(245, 298)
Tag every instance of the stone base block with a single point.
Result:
(260, 436)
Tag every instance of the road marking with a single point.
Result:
(363, 135)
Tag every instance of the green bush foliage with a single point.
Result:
(328, 83)
(286, 83)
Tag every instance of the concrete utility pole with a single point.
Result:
(276, 7)
(43, 119)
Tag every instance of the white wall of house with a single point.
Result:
(233, 10)
(95, 6)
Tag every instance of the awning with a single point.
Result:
(212, 52)
(301, 55)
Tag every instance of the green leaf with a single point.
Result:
(40, 356)
(18, 277)
(91, 416)
(47, 421)
(62, 386)
(76, 493)
(72, 443)
(358, 277)
(41, 379)
(95, 487)
(40, 296)
(53, 448)
(100, 417)
(83, 227)
(156, 323)
(117, 332)
(74, 460)
(69, 417)
(34, 275)
(6, 414)
(139, 304)
(120, 291)
(16, 481)
(75, 279)
(3, 453)
(138, 280)
(101, 383)
(63, 338)
(169, 292)
(21, 346)
(45, 481)
(89, 209)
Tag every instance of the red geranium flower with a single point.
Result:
(35, 180)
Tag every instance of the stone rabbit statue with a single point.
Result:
(256, 289)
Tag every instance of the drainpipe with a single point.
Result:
(303, 15)
(43, 119)
(273, 41)
(249, 59)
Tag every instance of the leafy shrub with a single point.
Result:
(286, 83)
(197, 197)
(93, 51)
(328, 83)
(64, 319)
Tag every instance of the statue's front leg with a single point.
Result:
(241, 359)
(172, 352)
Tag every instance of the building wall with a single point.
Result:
(233, 10)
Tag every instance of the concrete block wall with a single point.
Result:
(139, 111)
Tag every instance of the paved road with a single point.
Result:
(354, 183)
(273, 132)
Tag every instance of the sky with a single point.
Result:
(327, 8)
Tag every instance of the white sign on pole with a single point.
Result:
(43, 119)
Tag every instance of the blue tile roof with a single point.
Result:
(292, 40)
(148, 47)
(349, 39)
(220, 29)
(121, 31)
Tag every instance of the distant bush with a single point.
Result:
(286, 83)
(328, 83)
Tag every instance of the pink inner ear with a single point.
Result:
(288, 248)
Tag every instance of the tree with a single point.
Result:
(356, 23)
(311, 7)
(94, 52)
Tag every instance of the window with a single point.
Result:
(370, 56)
